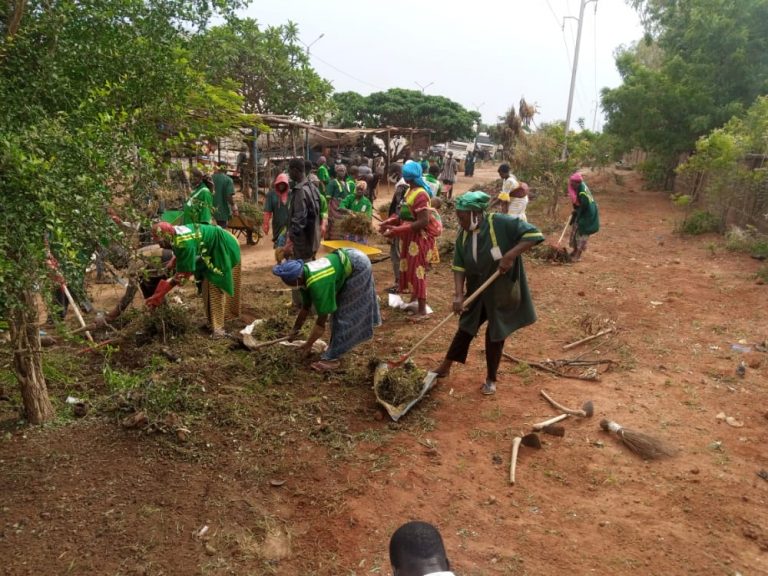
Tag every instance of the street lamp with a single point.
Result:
(308, 46)
(423, 87)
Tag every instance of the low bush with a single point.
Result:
(699, 222)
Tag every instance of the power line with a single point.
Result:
(340, 71)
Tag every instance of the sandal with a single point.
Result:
(416, 318)
(325, 365)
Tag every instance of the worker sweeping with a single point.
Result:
(488, 242)
(211, 254)
(341, 285)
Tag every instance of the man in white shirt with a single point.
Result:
(416, 549)
(513, 198)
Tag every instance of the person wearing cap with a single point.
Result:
(341, 285)
(223, 196)
(448, 174)
(487, 242)
(585, 219)
(416, 549)
(212, 255)
(411, 226)
(197, 209)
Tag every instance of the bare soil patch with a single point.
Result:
(288, 472)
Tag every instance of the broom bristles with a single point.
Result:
(644, 445)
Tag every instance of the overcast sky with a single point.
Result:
(485, 55)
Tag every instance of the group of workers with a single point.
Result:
(494, 233)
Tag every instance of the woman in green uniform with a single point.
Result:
(585, 219)
(212, 255)
(340, 284)
(197, 210)
(485, 243)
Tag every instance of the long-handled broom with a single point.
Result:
(645, 446)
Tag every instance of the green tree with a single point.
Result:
(351, 110)
(269, 66)
(713, 64)
(92, 92)
(409, 109)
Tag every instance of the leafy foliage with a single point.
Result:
(726, 180)
(272, 71)
(690, 87)
(93, 92)
(406, 108)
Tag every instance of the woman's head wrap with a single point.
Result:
(573, 187)
(412, 173)
(282, 178)
(163, 231)
(473, 202)
(289, 270)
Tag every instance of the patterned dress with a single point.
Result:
(416, 248)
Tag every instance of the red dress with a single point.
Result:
(415, 247)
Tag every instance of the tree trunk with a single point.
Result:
(27, 362)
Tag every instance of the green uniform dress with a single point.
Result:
(280, 217)
(224, 189)
(341, 284)
(324, 176)
(587, 217)
(361, 205)
(507, 302)
(210, 252)
(197, 210)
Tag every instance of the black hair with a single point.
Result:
(434, 169)
(307, 166)
(504, 168)
(296, 164)
(415, 543)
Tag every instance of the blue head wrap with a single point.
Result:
(289, 270)
(412, 171)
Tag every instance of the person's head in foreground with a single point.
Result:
(504, 170)
(291, 272)
(470, 208)
(416, 549)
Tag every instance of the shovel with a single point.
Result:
(467, 303)
(396, 412)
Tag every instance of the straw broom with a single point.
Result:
(645, 446)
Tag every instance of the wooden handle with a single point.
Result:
(560, 406)
(270, 342)
(76, 308)
(546, 423)
(588, 338)
(567, 222)
(513, 462)
(472, 297)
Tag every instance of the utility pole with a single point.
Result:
(573, 75)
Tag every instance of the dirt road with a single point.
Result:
(307, 477)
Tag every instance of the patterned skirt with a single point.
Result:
(416, 252)
(357, 312)
(220, 306)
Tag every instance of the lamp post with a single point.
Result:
(424, 86)
(308, 46)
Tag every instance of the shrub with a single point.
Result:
(699, 222)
